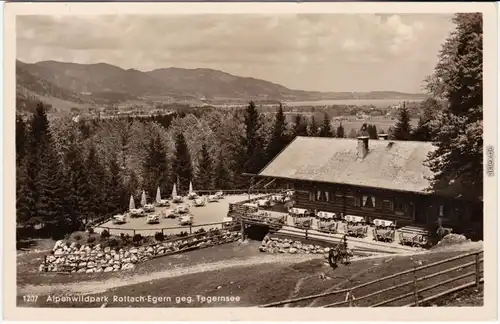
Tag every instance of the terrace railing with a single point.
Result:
(187, 228)
(417, 285)
(240, 191)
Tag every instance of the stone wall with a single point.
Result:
(88, 259)
(284, 245)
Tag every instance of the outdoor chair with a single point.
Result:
(410, 239)
(384, 234)
(359, 230)
(303, 223)
(329, 227)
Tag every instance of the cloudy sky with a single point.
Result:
(329, 52)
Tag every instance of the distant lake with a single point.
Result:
(379, 103)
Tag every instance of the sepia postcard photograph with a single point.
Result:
(227, 161)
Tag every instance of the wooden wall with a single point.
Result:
(405, 208)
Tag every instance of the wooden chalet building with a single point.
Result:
(371, 178)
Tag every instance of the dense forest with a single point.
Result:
(72, 172)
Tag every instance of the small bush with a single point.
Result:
(182, 234)
(159, 236)
(112, 243)
(90, 230)
(91, 245)
(91, 239)
(201, 230)
(78, 237)
(78, 245)
(137, 238)
(105, 234)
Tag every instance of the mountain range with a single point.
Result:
(88, 83)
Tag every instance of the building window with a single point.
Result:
(357, 201)
(321, 195)
(401, 207)
(388, 205)
(312, 196)
(368, 201)
(441, 210)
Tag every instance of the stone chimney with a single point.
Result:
(383, 136)
(362, 146)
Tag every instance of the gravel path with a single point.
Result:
(94, 287)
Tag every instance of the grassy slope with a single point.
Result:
(254, 285)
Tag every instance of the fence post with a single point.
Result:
(478, 276)
(415, 285)
(349, 297)
(307, 229)
(162, 232)
(134, 232)
(190, 230)
(242, 223)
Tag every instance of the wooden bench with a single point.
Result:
(328, 227)
(359, 230)
(413, 236)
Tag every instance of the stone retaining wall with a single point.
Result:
(283, 245)
(88, 259)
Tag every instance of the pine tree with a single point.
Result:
(52, 204)
(326, 129)
(96, 176)
(205, 171)
(458, 78)
(22, 215)
(43, 183)
(300, 126)
(279, 138)
(252, 143)
(23, 196)
(21, 134)
(182, 166)
(116, 195)
(340, 131)
(372, 131)
(402, 130)
(313, 127)
(79, 188)
(221, 174)
(155, 167)
(429, 109)
(132, 185)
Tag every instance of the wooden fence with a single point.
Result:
(187, 228)
(241, 191)
(417, 288)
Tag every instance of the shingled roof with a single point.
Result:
(393, 165)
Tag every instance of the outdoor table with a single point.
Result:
(383, 223)
(263, 202)
(326, 215)
(354, 219)
(297, 211)
(250, 205)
